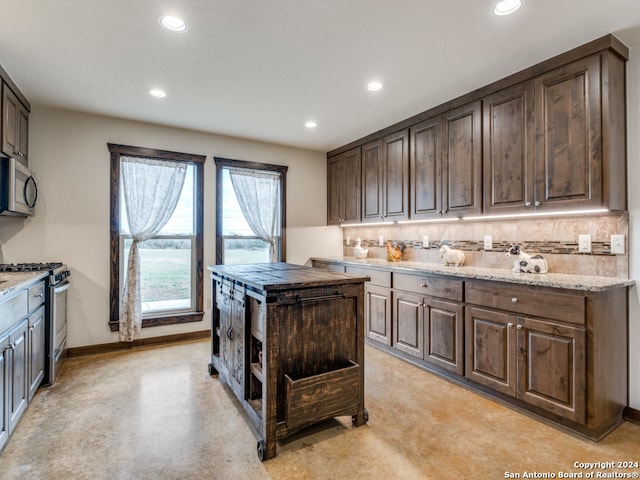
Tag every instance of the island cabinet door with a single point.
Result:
(491, 349)
(378, 313)
(551, 367)
(237, 339)
(408, 313)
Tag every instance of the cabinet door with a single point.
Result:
(490, 349)
(408, 323)
(22, 141)
(569, 149)
(10, 108)
(377, 310)
(425, 186)
(396, 176)
(18, 373)
(462, 160)
(372, 182)
(335, 182)
(508, 142)
(552, 368)
(443, 335)
(5, 389)
(343, 187)
(36, 350)
(351, 189)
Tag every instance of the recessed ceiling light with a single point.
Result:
(311, 124)
(507, 7)
(374, 86)
(173, 23)
(158, 93)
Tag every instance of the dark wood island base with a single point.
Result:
(289, 342)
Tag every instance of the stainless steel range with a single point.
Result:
(57, 284)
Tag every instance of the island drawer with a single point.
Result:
(528, 300)
(317, 397)
(428, 285)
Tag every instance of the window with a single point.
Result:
(250, 217)
(171, 269)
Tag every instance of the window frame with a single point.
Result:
(157, 318)
(222, 163)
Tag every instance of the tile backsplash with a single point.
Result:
(554, 237)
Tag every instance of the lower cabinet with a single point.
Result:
(17, 368)
(377, 311)
(5, 388)
(429, 329)
(539, 362)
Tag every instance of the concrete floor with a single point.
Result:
(155, 413)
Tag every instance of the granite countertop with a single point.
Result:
(13, 282)
(554, 280)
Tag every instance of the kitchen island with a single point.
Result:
(289, 342)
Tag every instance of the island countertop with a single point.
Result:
(282, 276)
(553, 280)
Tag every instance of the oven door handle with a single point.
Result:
(62, 287)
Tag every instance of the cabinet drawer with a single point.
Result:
(528, 300)
(36, 296)
(427, 285)
(378, 277)
(13, 310)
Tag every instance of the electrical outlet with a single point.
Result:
(488, 242)
(617, 244)
(425, 241)
(584, 243)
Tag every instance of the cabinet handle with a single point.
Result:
(509, 325)
(537, 204)
(527, 204)
(514, 300)
(230, 333)
(519, 327)
(39, 295)
(424, 285)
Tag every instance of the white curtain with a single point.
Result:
(151, 192)
(258, 194)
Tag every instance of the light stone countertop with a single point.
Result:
(13, 282)
(554, 280)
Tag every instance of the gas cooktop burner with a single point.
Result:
(28, 267)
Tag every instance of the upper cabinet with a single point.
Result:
(549, 138)
(446, 164)
(343, 187)
(15, 126)
(509, 137)
(385, 178)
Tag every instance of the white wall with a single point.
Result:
(70, 158)
(633, 174)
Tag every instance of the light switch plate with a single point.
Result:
(488, 242)
(617, 244)
(425, 241)
(584, 243)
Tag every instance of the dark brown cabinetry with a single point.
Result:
(508, 159)
(426, 324)
(377, 303)
(551, 137)
(289, 340)
(532, 344)
(15, 126)
(343, 187)
(385, 178)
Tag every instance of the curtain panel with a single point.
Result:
(151, 190)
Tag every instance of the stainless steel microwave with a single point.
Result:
(18, 189)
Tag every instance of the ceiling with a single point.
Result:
(260, 69)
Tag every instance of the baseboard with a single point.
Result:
(141, 342)
(632, 415)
